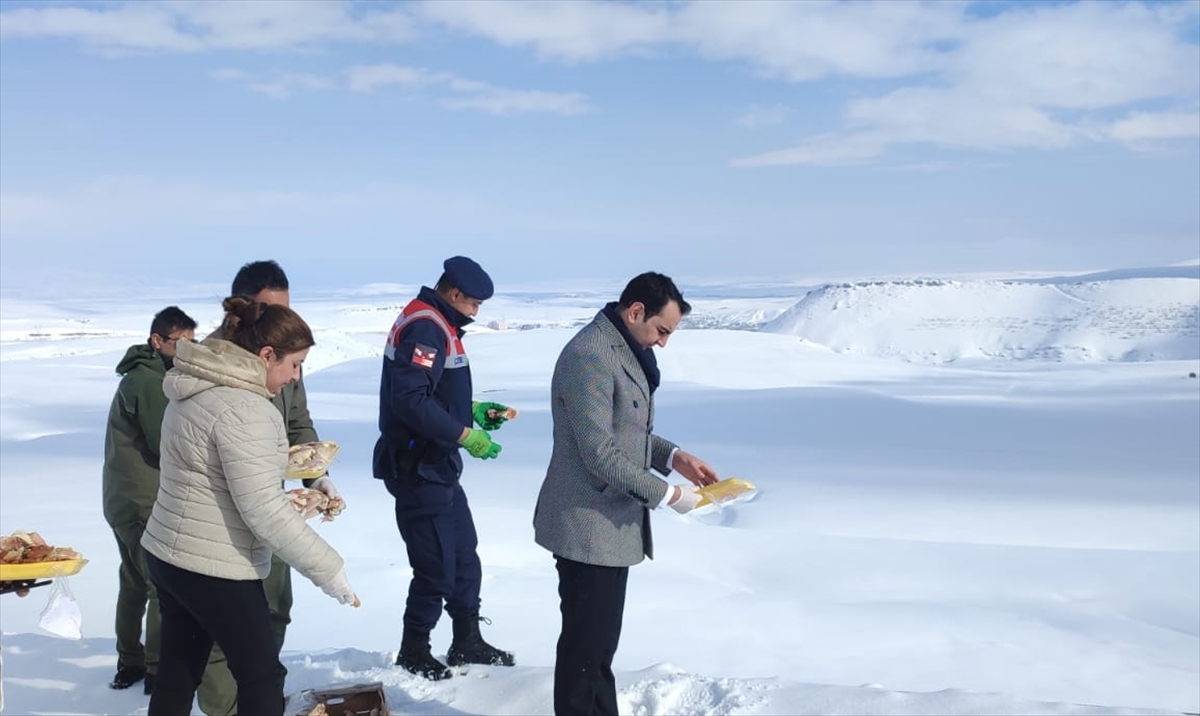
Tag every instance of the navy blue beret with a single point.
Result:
(468, 277)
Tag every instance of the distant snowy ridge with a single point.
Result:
(1132, 315)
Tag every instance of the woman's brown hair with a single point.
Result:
(252, 325)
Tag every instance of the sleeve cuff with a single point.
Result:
(667, 497)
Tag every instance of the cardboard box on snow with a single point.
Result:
(354, 700)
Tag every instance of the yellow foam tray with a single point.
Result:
(40, 570)
(724, 491)
(318, 455)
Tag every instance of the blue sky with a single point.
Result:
(364, 142)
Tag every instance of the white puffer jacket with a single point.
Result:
(221, 510)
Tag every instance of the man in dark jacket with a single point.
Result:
(130, 484)
(265, 282)
(425, 415)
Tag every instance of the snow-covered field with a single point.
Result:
(977, 496)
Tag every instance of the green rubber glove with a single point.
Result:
(480, 411)
(479, 445)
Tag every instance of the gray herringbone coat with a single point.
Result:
(594, 505)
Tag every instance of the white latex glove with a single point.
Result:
(324, 484)
(339, 588)
(308, 502)
(336, 503)
(687, 500)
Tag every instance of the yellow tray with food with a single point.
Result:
(25, 556)
(40, 570)
(307, 461)
(726, 491)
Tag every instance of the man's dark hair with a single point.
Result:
(654, 291)
(258, 276)
(443, 284)
(171, 319)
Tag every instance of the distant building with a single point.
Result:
(498, 325)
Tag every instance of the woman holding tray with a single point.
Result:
(221, 513)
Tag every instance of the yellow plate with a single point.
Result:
(308, 461)
(40, 570)
(724, 490)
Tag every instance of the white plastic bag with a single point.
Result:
(62, 616)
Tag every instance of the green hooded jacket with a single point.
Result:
(130, 483)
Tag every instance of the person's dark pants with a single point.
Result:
(198, 610)
(439, 534)
(135, 599)
(592, 603)
(218, 692)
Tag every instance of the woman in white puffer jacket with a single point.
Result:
(221, 510)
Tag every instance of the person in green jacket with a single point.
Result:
(130, 485)
(265, 282)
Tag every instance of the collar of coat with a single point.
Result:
(224, 363)
(452, 315)
(645, 356)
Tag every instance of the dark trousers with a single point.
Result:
(218, 692)
(135, 599)
(196, 611)
(439, 534)
(592, 603)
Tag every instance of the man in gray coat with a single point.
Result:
(593, 511)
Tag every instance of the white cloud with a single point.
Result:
(501, 101)
(449, 90)
(793, 40)
(1037, 77)
(800, 41)
(956, 118)
(756, 116)
(1143, 126)
(568, 31)
(129, 27)
(283, 86)
(1080, 56)
(1020, 75)
(365, 78)
(229, 74)
(461, 93)
(278, 87)
(180, 26)
(824, 151)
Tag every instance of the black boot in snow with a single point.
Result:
(469, 647)
(127, 676)
(416, 658)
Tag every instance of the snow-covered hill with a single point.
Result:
(1119, 315)
(1130, 315)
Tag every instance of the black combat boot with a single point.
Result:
(127, 676)
(469, 647)
(415, 656)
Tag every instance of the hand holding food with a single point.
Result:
(491, 416)
(310, 502)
